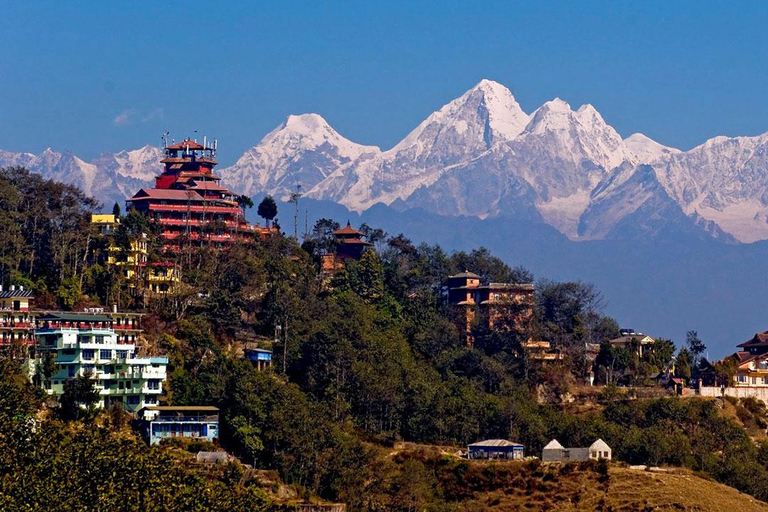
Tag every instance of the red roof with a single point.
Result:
(758, 340)
(166, 193)
(348, 230)
(354, 241)
(186, 144)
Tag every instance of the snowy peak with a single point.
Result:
(301, 151)
(485, 114)
(645, 150)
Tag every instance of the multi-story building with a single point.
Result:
(496, 305)
(633, 341)
(17, 324)
(81, 344)
(157, 278)
(188, 202)
(192, 421)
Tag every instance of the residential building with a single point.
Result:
(495, 449)
(633, 341)
(88, 344)
(555, 452)
(496, 305)
(17, 325)
(156, 278)
(542, 351)
(188, 202)
(174, 421)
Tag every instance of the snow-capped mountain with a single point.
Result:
(109, 178)
(304, 150)
(481, 155)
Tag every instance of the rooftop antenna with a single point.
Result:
(165, 135)
(215, 146)
(295, 200)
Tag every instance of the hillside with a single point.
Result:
(480, 486)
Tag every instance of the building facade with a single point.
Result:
(349, 246)
(555, 452)
(495, 449)
(17, 322)
(88, 344)
(188, 202)
(167, 422)
(496, 305)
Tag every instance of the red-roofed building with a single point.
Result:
(190, 204)
(349, 246)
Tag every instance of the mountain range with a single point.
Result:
(481, 155)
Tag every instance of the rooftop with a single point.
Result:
(758, 340)
(74, 317)
(494, 442)
(182, 408)
(348, 230)
(17, 292)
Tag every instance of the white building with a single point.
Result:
(83, 344)
(555, 452)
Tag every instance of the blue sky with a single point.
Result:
(105, 76)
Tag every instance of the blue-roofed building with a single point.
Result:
(190, 421)
(495, 449)
(262, 358)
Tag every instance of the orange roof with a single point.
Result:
(348, 230)
(186, 144)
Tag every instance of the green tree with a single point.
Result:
(79, 398)
(267, 209)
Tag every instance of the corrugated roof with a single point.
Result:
(74, 317)
(10, 294)
(465, 274)
(494, 442)
(170, 408)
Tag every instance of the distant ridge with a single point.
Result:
(482, 155)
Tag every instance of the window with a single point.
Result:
(741, 378)
(133, 400)
(754, 380)
(153, 384)
(122, 354)
(87, 354)
(150, 400)
(100, 340)
(85, 339)
(88, 368)
(105, 354)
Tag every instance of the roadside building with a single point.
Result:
(87, 344)
(167, 422)
(555, 452)
(495, 449)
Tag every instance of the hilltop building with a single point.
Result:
(194, 421)
(86, 343)
(555, 452)
(349, 246)
(632, 341)
(496, 305)
(261, 358)
(189, 203)
(17, 323)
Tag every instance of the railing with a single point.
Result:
(208, 418)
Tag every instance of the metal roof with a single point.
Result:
(10, 294)
(75, 317)
(494, 442)
(466, 273)
(554, 445)
(182, 408)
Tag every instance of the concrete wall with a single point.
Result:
(713, 391)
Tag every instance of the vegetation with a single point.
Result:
(363, 360)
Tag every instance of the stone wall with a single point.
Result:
(713, 391)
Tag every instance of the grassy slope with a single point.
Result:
(626, 489)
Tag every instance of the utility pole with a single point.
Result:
(295, 200)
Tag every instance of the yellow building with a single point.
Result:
(156, 277)
(17, 324)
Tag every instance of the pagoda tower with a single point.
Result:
(189, 203)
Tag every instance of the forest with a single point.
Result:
(362, 360)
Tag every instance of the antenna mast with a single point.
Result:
(295, 200)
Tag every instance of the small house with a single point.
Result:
(555, 452)
(495, 449)
(260, 357)
(196, 421)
